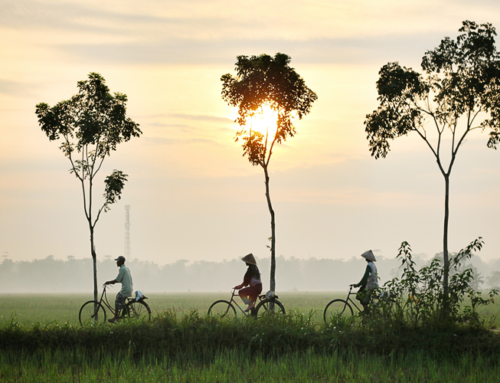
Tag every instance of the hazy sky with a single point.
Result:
(192, 194)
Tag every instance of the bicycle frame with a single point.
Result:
(247, 313)
(232, 300)
(104, 301)
(348, 299)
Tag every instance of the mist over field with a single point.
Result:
(50, 275)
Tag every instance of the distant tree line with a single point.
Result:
(50, 275)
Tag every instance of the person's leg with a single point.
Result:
(256, 290)
(119, 305)
(244, 295)
(361, 296)
(249, 295)
(365, 301)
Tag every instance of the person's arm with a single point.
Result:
(364, 280)
(119, 278)
(246, 281)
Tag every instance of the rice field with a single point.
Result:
(64, 308)
(181, 346)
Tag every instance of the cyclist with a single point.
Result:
(251, 279)
(368, 282)
(125, 279)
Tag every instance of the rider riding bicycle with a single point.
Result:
(125, 279)
(369, 281)
(252, 279)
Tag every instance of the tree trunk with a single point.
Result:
(446, 263)
(273, 233)
(94, 261)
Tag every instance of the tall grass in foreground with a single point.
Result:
(195, 336)
(196, 348)
(240, 366)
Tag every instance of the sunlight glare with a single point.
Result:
(264, 122)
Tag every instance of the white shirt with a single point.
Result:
(125, 279)
(373, 277)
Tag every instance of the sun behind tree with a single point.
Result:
(266, 88)
(265, 121)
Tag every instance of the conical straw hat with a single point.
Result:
(369, 255)
(249, 258)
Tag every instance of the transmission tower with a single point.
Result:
(127, 232)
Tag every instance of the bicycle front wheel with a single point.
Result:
(264, 308)
(92, 312)
(336, 308)
(137, 310)
(222, 309)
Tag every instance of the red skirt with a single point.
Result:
(250, 293)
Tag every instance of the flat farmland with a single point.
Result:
(62, 308)
(194, 348)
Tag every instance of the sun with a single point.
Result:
(264, 122)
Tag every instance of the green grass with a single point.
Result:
(75, 366)
(64, 308)
(296, 348)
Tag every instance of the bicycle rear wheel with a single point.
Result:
(137, 310)
(92, 312)
(336, 308)
(264, 308)
(222, 309)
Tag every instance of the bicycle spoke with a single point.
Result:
(264, 308)
(336, 309)
(137, 310)
(222, 309)
(92, 313)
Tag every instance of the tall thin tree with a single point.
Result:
(459, 92)
(90, 125)
(265, 81)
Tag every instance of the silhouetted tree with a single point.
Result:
(266, 81)
(91, 124)
(460, 85)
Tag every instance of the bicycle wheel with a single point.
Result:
(264, 308)
(92, 312)
(137, 310)
(222, 309)
(336, 308)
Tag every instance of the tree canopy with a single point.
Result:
(461, 79)
(266, 81)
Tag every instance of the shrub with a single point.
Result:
(418, 299)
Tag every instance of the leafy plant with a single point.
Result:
(419, 298)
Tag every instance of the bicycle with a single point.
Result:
(339, 307)
(94, 312)
(223, 308)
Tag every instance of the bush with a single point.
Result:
(418, 298)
